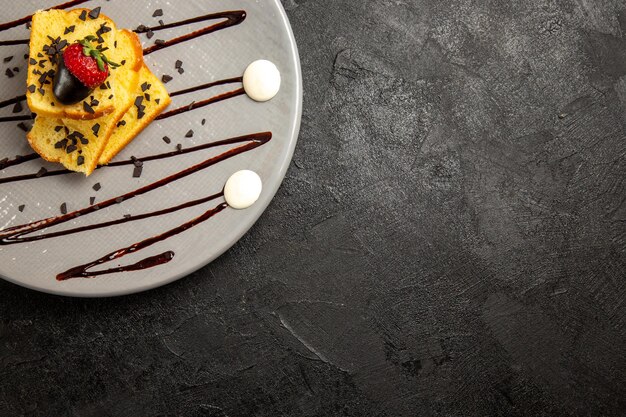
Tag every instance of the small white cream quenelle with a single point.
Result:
(243, 189)
(261, 80)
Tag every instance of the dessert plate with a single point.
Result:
(126, 229)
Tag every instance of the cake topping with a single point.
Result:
(82, 68)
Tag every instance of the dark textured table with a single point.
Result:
(449, 241)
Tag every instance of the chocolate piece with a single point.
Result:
(178, 64)
(80, 160)
(88, 108)
(83, 15)
(9, 73)
(18, 107)
(42, 171)
(92, 200)
(166, 139)
(189, 134)
(95, 13)
(21, 208)
(97, 186)
(8, 59)
(63, 208)
(157, 13)
(166, 78)
(137, 172)
(95, 129)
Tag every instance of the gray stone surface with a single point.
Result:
(449, 241)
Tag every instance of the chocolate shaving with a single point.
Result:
(88, 108)
(95, 13)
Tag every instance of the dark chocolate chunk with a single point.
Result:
(95, 129)
(121, 123)
(166, 78)
(161, 23)
(157, 100)
(166, 139)
(138, 100)
(97, 186)
(88, 108)
(179, 147)
(32, 61)
(63, 208)
(16, 69)
(83, 15)
(42, 171)
(159, 42)
(21, 208)
(94, 102)
(9, 73)
(123, 62)
(8, 59)
(62, 45)
(42, 91)
(141, 29)
(23, 126)
(84, 141)
(18, 107)
(80, 160)
(58, 128)
(137, 172)
(70, 149)
(147, 96)
(61, 144)
(95, 13)
(203, 122)
(178, 64)
(157, 13)
(127, 216)
(181, 70)
(69, 29)
(144, 86)
(189, 134)
(111, 96)
(92, 200)
(149, 34)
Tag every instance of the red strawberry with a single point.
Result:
(84, 67)
(81, 69)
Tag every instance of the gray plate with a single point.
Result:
(265, 34)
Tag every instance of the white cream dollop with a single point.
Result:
(242, 189)
(261, 80)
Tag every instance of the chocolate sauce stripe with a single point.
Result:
(115, 222)
(26, 19)
(148, 158)
(13, 100)
(81, 271)
(232, 18)
(200, 104)
(254, 140)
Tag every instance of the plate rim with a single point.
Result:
(248, 223)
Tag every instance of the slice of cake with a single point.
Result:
(78, 143)
(150, 98)
(51, 32)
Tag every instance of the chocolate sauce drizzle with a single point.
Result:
(183, 109)
(232, 18)
(26, 19)
(23, 233)
(14, 234)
